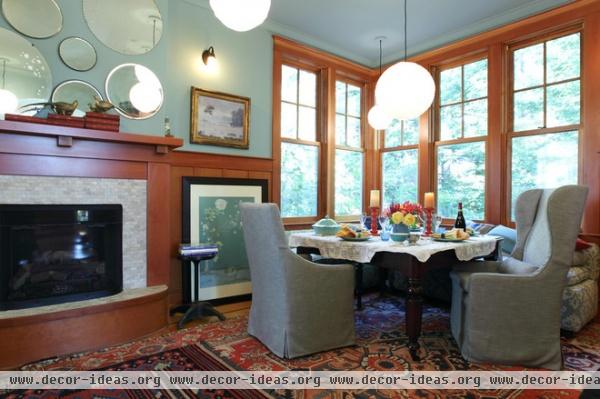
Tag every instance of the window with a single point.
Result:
(461, 145)
(546, 106)
(399, 162)
(299, 145)
(348, 152)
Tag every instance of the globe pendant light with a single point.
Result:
(8, 100)
(377, 117)
(241, 15)
(145, 97)
(406, 89)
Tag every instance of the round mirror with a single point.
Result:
(39, 19)
(134, 90)
(24, 73)
(129, 27)
(77, 54)
(76, 90)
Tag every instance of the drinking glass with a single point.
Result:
(383, 222)
(363, 219)
(437, 222)
(386, 230)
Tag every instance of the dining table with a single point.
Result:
(411, 260)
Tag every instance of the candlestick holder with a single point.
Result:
(374, 214)
(428, 222)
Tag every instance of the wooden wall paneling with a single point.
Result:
(372, 160)
(158, 232)
(276, 127)
(177, 173)
(30, 338)
(590, 145)
(241, 174)
(208, 172)
(217, 161)
(266, 176)
(14, 143)
(495, 178)
(426, 181)
(327, 152)
(40, 165)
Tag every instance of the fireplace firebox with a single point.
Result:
(59, 253)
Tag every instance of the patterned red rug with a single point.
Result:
(381, 346)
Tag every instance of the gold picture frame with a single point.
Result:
(219, 119)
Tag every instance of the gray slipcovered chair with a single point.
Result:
(508, 312)
(298, 307)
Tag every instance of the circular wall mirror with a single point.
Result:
(129, 27)
(24, 72)
(134, 90)
(77, 53)
(76, 90)
(39, 19)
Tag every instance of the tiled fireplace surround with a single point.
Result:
(129, 193)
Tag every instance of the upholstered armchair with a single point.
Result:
(508, 312)
(298, 307)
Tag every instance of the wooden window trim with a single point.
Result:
(582, 15)
(437, 131)
(542, 38)
(329, 69)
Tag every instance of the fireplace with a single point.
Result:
(59, 253)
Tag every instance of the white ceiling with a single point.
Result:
(348, 27)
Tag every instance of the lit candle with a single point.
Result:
(374, 199)
(429, 201)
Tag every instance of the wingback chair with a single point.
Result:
(508, 312)
(298, 307)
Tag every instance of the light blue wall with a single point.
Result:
(245, 68)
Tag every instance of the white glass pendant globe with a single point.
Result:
(405, 90)
(241, 15)
(378, 118)
(8, 102)
(145, 97)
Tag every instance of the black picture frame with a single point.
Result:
(194, 186)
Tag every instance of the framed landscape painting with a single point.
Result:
(211, 214)
(219, 119)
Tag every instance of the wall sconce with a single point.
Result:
(210, 60)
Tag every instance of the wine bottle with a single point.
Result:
(460, 223)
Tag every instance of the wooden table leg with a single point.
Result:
(414, 312)
(358, 269)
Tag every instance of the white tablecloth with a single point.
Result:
(363, 252)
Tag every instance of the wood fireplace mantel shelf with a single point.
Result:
(65, 135)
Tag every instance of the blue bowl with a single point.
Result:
(399, 237)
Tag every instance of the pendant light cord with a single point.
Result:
(405, 34)
(154, 32)
(3, 73)
(380, 40)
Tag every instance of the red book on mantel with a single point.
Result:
(66, 120)
(101, 126)
(57, 122)
(101, 116)
(24, 118)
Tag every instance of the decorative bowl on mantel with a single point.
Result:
(326, 227)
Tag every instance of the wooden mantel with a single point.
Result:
(65, 135)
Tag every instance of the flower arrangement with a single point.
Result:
(406, 213)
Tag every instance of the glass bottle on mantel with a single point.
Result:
(460, 223)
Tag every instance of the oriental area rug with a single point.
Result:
(381, 346)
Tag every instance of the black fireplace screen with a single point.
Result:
(59, 253)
